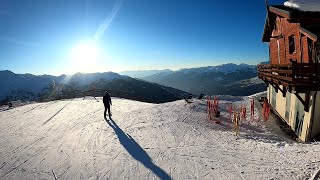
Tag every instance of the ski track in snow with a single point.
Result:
(69, 139)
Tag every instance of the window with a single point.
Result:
(292, 45)
(318, 53)
(275, 25)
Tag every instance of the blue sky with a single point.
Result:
(64, 36)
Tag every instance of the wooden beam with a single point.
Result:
(279, 88)
(265, 81)
(279, 12)
(284, 91)
(300, 98)
(304, 101)
(290, 89)
(275, 87)
(309, 34)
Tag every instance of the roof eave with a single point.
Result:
(266, 34)
(309, 34)
(280, 12)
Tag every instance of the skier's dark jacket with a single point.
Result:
(107, 100)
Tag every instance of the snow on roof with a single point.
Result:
(304, 5)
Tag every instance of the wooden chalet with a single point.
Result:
(293, 74)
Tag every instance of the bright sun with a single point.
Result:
(85, 56)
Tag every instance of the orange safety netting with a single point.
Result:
(265, 110)
(252, 108)
(212, 108)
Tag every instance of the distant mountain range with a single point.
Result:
(31, 83)
(144, 73)
(22, 85)
(28, 87)
(226, 79)
(156, 86)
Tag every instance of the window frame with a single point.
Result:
(290, 44)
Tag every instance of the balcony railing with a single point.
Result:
(301, 77)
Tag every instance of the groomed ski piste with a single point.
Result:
(69, 139)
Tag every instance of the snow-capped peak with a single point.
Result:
(224, 68)
(230, 67)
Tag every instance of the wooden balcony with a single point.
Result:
(294, 77)
(299, 77)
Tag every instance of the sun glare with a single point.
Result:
(84, 57)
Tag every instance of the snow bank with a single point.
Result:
(70, 140)
(3, 108)
(258, 95)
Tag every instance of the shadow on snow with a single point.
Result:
(136, 151)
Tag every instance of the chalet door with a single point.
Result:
(311, 60)
(288, 103)
(299, 117)
(274, 96)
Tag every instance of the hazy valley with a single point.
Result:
(157, 86)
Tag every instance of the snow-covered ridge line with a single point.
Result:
(224, 68)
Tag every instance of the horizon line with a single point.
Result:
(118, 72)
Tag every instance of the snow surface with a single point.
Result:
(3, 108)
(70, 140)
(304, 5)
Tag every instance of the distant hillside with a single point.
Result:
(143, 73)
(79, 80)
(141, 90)
(226, 79)
(28, 87)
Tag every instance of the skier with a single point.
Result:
(107, 102)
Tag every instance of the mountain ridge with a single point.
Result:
(28, 87)
(225, 79)
(143, 73)
(212, 79)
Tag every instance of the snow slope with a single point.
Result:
(71, 140)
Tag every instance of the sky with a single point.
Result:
(67, 36)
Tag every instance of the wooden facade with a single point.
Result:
(294, 52)
(293, 37)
